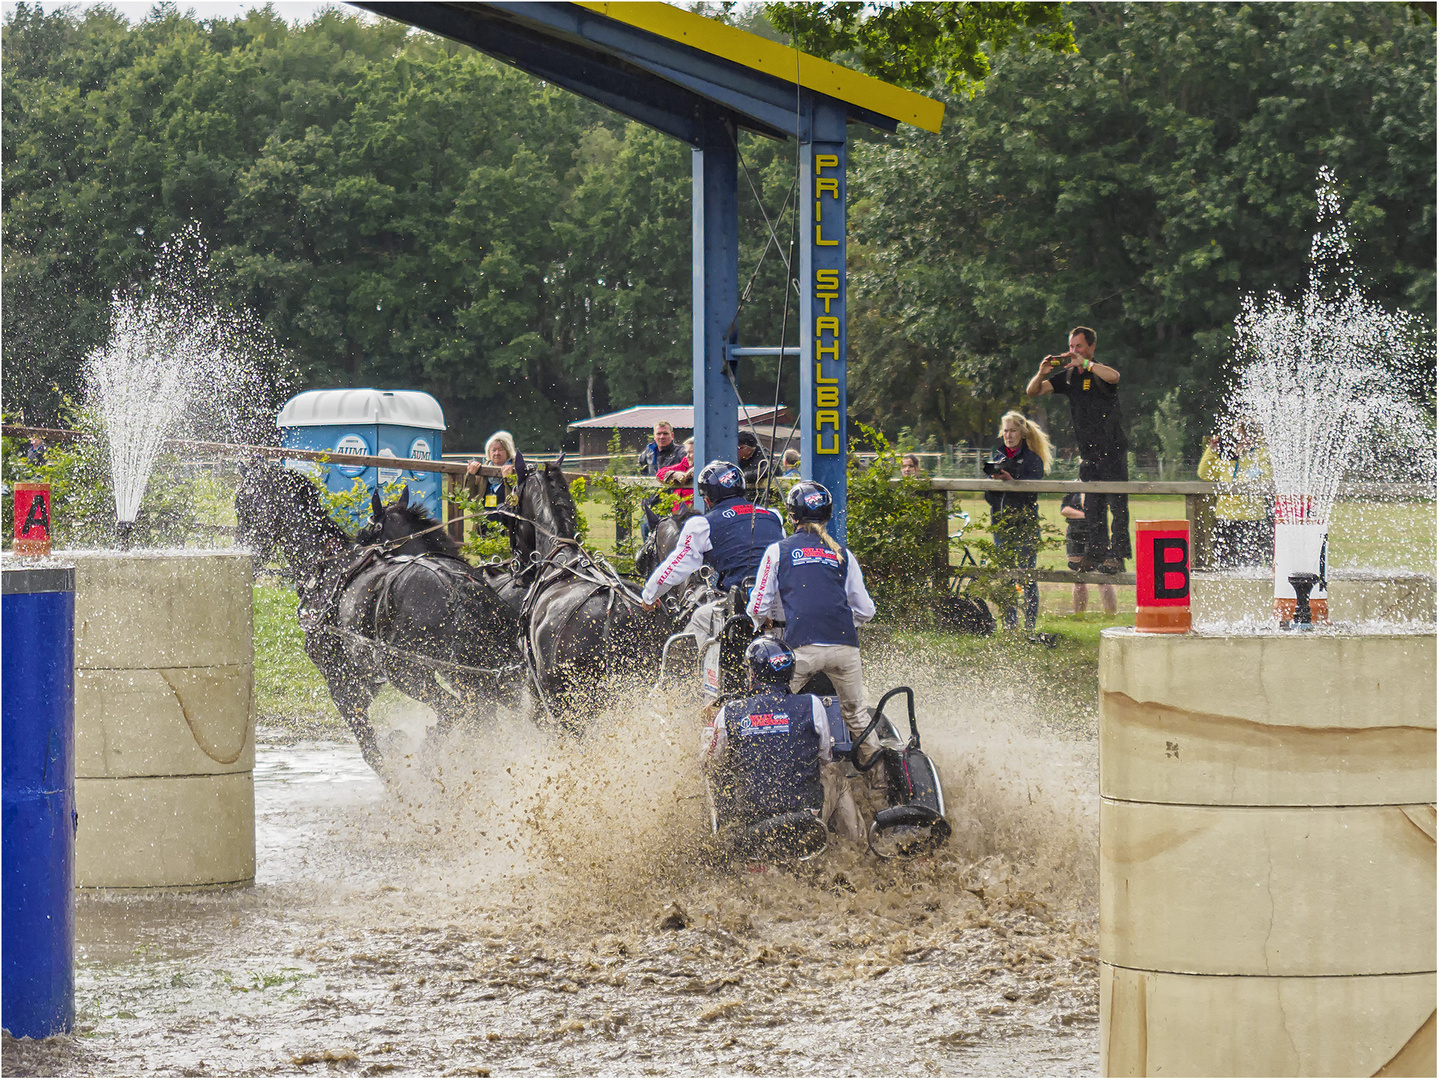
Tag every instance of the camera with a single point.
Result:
(991, 467)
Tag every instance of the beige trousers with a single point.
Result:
(841, 664)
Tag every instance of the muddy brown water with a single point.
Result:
(515, 903)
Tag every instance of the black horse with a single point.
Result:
(582, 624)
(409, 530)
(371, 618)
(664, 535)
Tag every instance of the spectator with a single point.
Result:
(1023, 453)
(680, 477)
(791, 465)
(1243, 521)
(1072, 509)
(661, 451)
(754, 463)
(501, 453)
(1103, 446)
(35, 452)
(909, 466)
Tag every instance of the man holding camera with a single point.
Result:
(1092, 389)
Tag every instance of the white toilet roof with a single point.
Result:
(404, 408)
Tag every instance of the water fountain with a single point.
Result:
(1267, 828)
(164, 726)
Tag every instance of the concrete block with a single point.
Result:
(165, 831)
(1272, 720)
(1162, 1024)
(1267, 890)
(173, 722)
(162, 609)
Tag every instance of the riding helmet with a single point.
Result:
(809, 501)
(770, 661)
(720, 480)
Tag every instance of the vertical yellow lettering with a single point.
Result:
(827, 448)
(825, 161)
(822, 324)
(828, 183)
(826, 279)
(827, 396)
(819, 378)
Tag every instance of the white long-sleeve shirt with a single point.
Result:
(764, 601)
(687, 557)
(714, 737)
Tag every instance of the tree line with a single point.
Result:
(402, 211)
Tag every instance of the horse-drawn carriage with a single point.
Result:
(910, 820)
(398, 603)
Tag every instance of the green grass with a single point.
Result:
(287, 686)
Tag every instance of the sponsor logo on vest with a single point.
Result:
(804, 556)
(765, 723)
(736, 511)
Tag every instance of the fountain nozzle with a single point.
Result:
(125, 534)
(1303, 584)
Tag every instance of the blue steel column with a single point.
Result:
(824, 440)
(715, 167)
(37, 775)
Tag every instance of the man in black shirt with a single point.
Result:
(1092, 389)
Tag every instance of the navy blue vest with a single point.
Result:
(811, 589)
(772, 761)
(736, 548)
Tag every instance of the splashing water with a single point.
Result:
(174, 363)
(1319, 375)
(1323, 379)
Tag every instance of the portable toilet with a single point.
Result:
(366, 422)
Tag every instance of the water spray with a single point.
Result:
(1317, 379)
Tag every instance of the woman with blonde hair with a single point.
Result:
(500, 452)
(1023, 453)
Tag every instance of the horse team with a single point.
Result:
(398, 603)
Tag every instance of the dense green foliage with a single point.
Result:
(401, 211)
(1141, 187)
(913, 44)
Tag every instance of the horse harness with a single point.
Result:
(320, 605)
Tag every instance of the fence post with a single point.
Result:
(454, 515)
(1199, 510)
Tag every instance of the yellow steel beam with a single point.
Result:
(771, 58)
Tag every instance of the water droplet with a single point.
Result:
(139, 230)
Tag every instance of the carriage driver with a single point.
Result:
(769, 753)
(730, 536)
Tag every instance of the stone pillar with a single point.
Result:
(164, 723)
(1267, 855)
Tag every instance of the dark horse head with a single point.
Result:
(409, 522)
(664, 534)
(276, 507)
(546, 512)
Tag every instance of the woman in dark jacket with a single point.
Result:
(1023, 453)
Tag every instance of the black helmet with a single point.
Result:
(721, 480)
(809, 501)
(770, 661)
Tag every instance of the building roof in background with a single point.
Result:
(680, 416)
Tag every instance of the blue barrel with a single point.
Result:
(37, 741)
